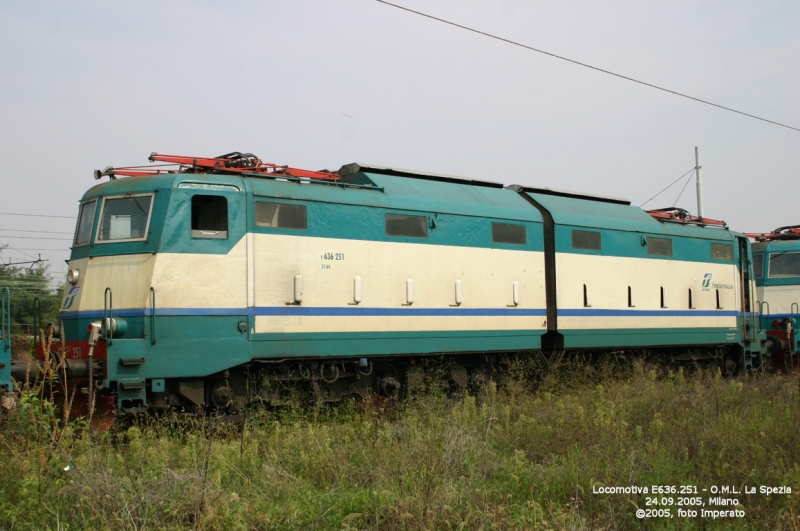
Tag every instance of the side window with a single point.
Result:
(85, 222)
(281, 216)
(507, 233)
(209, 216)
(659, 246)
(721, 251)
(409, 226)
(758, 266)
(582, 239)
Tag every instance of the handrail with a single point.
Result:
(5, 319)
(761, 312)
(37, 321)
(108, 316)
(153, 316)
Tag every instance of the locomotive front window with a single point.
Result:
(410, 226)
(758, 266)
(659, 246)
(209, 216)
(784, 265)
(507, 233)
(584, 239)
(124, 218)
(281, 216)
(85, 222)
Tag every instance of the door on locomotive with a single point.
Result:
(752, 336)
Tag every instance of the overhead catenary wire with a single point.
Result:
(573, 61)
(15, 249)
(20, 249)
(682, 189)
(36, 231)
(36, 215)
(668, 186)
(3, 237)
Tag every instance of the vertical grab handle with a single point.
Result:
(763, 316)
(108, 316)
(37, 321)
(153, 316)
(5, 319)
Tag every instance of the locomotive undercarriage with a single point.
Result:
(227, 395)
(270, 384)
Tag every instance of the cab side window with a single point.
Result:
(281, 216)
(209, 216)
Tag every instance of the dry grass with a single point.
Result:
(509, 459)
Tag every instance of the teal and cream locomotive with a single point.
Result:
(228, 282)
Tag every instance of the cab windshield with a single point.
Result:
(784, 265)
(124, 218)
(85, 222)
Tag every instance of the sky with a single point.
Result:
(318, 84)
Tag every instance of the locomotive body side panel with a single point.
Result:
(617, 288)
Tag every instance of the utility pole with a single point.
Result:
(699, 182)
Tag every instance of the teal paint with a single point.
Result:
(766, 249)
(5, 338)
(359, 344)
(633, 244)
(650, 338)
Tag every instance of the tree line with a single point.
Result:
(27, 284)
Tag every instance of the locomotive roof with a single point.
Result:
(616, 215)
(425, 192)
(359, 167)
(773, 246)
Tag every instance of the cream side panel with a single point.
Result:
(201, 280)
(607, 279)
(397, 324)
(328, 266)
(622, 322)
(128, 276)
(780, 298)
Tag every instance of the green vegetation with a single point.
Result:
(513, 458)
(26, 285)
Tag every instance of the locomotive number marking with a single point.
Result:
(76, 352)
(332, 256)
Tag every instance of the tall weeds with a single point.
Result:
(509, 458)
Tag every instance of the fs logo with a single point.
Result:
(706, 281)
(73, 292)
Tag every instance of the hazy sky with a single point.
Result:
(318, 84)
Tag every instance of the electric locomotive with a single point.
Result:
(776, 264)
(228, 282)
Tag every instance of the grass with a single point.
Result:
(513, 458)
